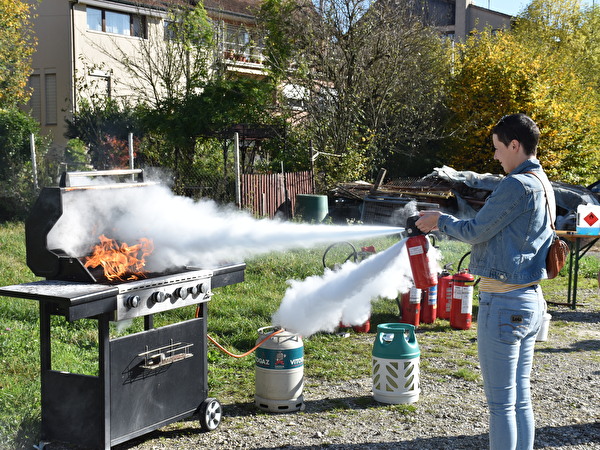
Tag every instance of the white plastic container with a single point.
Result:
(588, 219)
(543, 333)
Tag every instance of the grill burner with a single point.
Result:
(146, 380)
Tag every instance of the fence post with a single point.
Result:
(311, 151)
(130, 145)
(33, 161)
(236, 161)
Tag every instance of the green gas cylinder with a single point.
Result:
(395, 359)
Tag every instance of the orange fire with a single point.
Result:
(120, 262)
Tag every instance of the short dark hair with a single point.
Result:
(520, 127)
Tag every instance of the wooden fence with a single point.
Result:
(265, 194)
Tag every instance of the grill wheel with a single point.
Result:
(210, 414)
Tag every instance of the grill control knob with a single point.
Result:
(181, 293)
(200, 288)
(158, 297)
(133, 301)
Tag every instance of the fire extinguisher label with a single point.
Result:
(417, 250)
(432, 296)
(465, 294)
(415, 296)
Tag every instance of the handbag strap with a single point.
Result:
(546, 195)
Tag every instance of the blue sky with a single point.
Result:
(513, 7)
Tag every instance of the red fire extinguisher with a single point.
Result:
(462, 300)
(410, 306)
(444, 294)
(417, 245)
(429, 305)
(364, 253)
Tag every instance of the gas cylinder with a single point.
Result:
(462, 300)
(417, 246)
(411, 306)
(429, 305)
(444, 295)
(279, 371)
(395, 359)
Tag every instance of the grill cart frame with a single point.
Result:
(129, 397)
(145, 380)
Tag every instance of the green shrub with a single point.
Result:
(16, 175)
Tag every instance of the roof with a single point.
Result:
(237, 7)
(246, 7)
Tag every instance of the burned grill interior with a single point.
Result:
(145, 380)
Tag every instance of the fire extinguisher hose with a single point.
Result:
(460, 265)
(220, 347)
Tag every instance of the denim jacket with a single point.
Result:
(511, 233)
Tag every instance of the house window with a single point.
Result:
(169, 30)
(35, 102)
(50, 97)
(115, 22)
(94, 19)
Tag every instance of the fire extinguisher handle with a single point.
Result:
(411, 227)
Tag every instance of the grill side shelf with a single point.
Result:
(71, 299)
(65, 293)
(227, 275)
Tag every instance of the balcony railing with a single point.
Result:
(243, 53)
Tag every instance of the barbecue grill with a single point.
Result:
(145, 380)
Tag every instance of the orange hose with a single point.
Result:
(249, 351)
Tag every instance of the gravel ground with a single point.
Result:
(450, 414)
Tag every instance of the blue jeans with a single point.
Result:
(506, 328)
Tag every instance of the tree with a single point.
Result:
(16, 175)
(104, 125)
(179, 129)
(370, 76)
(534, 69)
(17, 44)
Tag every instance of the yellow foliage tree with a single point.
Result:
(531, 69)
(17, 44)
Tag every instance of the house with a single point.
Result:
(81, 41)
(457, 18)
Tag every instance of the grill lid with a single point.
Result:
(56, 264)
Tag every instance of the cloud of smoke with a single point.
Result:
(184, 232)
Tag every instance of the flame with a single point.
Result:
(120, 262)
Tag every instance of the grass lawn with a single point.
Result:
(236, 312)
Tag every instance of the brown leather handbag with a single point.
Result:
(559, 249)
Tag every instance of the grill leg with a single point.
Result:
(104, 372)
(148, 322)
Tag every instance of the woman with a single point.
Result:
(510, 238)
